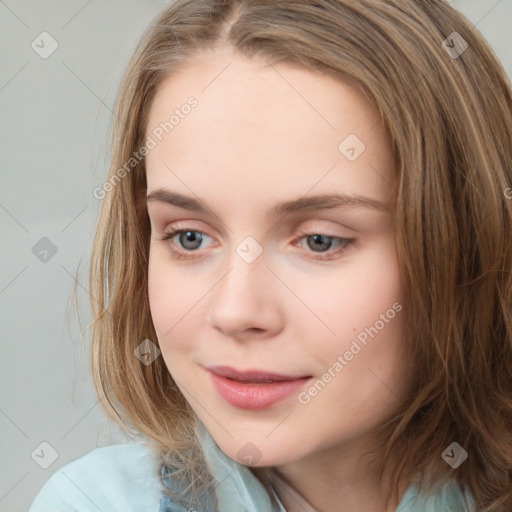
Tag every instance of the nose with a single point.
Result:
(246, 300)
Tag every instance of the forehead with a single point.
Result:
(257, 125)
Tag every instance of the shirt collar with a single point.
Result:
(237, 488)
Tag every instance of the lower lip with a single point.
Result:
(256, 396)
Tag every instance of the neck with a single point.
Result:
(333, 476)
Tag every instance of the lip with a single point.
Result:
(253, 375)
(254, 396)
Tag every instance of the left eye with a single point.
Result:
(191, 239)
(319, 241)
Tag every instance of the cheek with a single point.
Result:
(162, 300)
(365, 314)
(171, 296)
(366, 293)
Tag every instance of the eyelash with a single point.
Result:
(182, 255)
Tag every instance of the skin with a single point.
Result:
(259, 135)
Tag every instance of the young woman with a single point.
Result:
(302, 269)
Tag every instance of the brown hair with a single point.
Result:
(450, 121)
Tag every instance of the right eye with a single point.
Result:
(190, 239)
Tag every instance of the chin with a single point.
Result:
(257, 455)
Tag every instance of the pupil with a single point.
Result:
(318, 238)
(190, 236)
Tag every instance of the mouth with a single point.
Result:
(255, 389)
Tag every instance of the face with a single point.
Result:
(312, 291)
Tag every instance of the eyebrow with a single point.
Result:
(303, 204)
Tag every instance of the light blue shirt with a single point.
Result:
(131, 478)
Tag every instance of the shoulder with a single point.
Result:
(449, 497)
(123, 477)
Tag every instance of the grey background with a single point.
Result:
(55, 115)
